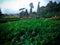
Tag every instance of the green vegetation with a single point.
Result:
(41, 27)
(30, 32)
(4, 20)
(52, 9)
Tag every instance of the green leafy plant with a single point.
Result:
(30, 32)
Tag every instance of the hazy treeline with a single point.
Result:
(52, 9)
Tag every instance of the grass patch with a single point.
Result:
(30, 32)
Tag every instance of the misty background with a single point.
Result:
(13, 6)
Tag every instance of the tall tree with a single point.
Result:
(1, 14)
(55, 6)
(49, 6)
(50, 9)
(26, 12)
(38, 9)
(31, 7)
(59, 6)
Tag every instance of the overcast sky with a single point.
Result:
(13, 6)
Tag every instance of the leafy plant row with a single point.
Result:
(30, 32)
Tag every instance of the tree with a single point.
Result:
(1, 14)
(21, 9)
(31, 7)
(26, 12)
(58, 7)
(22, 13)
(55, 6)
(38, 9)
(42, 11)
(49, 6)
(51, 9)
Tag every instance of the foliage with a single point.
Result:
(49, 14)
(24, 13)
(31, 7)
(4, 20)
(38, 9)
(52, 8)
(30, 32)
(1, 15)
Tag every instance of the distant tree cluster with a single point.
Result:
(52, 9)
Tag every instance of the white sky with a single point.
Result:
(15, 5)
